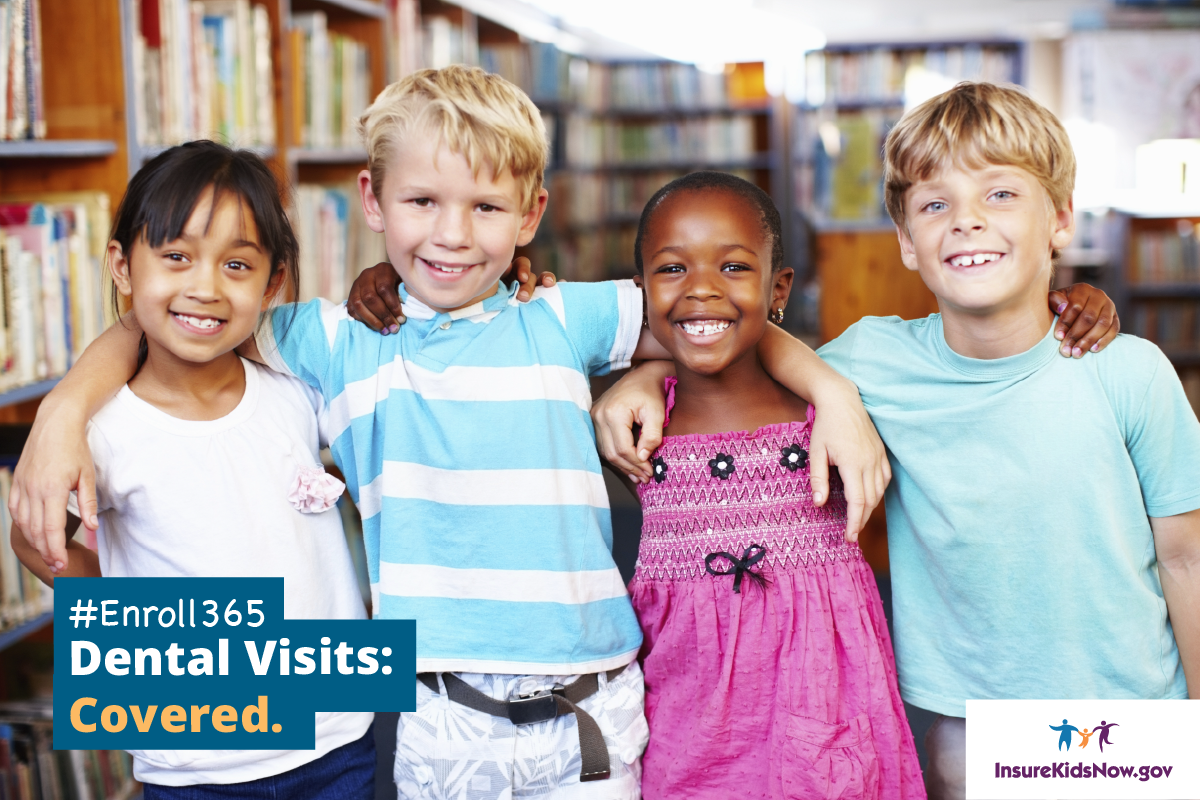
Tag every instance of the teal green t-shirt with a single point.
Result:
(1022, 560)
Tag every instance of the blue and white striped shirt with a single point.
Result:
(466, 442)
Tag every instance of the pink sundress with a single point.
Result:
(787, 687)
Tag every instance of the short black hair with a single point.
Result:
(163, 194)
(711, 180)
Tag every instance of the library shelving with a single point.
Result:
(1155, 281)
(76, 172)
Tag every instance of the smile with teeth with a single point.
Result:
(974, 260)
(452, 269)
(703, 327)
(204, 323)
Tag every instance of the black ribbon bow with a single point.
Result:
(741, 566)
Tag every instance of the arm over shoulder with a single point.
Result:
(839, 353)
(602, 320)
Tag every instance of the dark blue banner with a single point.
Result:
(211, 663)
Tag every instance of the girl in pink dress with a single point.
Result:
(768, 666)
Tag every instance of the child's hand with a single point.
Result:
(375, 302)
(522, 273)
(1087, 319)
(843, 435)
(373, 299)
(636, 399)
(55, 460)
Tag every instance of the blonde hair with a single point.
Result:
(480, 116)
(971, 125)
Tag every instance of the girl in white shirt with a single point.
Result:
(206, 464)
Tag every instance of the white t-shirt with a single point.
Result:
(181, 498)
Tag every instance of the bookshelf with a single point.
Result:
(84, 152)
(1155, 281)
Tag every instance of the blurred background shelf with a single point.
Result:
(15, 634)
(57, 148)
(22, 394)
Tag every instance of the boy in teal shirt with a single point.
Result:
(1015, 575)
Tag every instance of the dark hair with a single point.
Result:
(709, 180)
(163, 194)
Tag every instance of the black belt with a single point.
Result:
(541, 707)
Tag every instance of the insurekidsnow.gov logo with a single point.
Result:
(1064, 769)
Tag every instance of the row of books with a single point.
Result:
(22, 596)
(444, 42)
(1167, 256)
(335, 242)
(21, 98)
(51, 255)
(839, 172)
(717, 139)
(1172, 325)
(544, 72)
(332, 84)
(30, 769)
(203, 69)
(878, 75)
(591, 199)
(592, 255)
(549, 75)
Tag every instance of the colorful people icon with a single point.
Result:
(1083, 734)
(1103, 727)
(1065, 738)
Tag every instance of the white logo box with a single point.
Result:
(1152, 750)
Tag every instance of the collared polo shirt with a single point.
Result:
(466, 442)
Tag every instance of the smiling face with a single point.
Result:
(199, 296)
(707, 272)
(982, 238)
(450, 234)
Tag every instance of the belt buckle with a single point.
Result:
(538, 707)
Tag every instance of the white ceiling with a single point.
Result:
(936, 20)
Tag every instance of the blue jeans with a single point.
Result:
(346, 773)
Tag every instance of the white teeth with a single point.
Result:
(973, 260)
(200, 322)
(704, 327)
(445, 267)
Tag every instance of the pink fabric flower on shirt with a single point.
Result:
(314, 491)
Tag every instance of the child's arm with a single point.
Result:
(56, 458)
(1177, 544)
(84, 563)
(843, 434)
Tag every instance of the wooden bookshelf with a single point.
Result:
(86, 146)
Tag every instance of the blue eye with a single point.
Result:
(1003, 194)
(935, 206)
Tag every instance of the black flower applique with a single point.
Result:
(660, 469)
(721, 466)
(794, 457)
